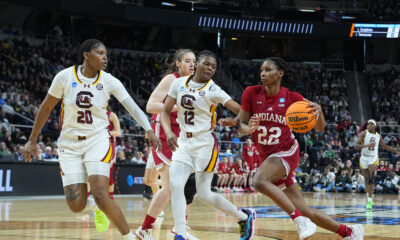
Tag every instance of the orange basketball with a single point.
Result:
(298, 117)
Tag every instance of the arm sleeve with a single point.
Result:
(117, 89)
(57, 86)
(136, 113)
(173, 89)
(246, 100)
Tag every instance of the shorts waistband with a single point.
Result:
(191, 134)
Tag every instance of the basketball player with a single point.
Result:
(368, 141)
(182, 65)
(196, 98)
(114, 129)
(84, 144)
(262, 114)
(249, 157)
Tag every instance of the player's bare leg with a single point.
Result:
(161, 199)
(76, 196)
(99, 189)
(151, 179)
(320, 218)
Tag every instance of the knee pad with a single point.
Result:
(190, 188)
(372, 180)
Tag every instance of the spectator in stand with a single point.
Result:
(47, 153)
(19, 155)
(121, 158)
(343, 182)
(397, 168)
(223, 175)
(358, 182)
(326, 182)
(349, 168)
(137, 158)
(3, 148)
(391, 183)
(233, 177)
(382, 166)
(249, 158)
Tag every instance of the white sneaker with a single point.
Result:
(144, 234)
(161, 214)
(357, 232)
(305, 227)
(189, 236)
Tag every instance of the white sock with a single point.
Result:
(203, 186)
(179, 173)
(128, 236)
(369, 199)
(90, 205)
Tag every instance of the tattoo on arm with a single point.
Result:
(72, 192)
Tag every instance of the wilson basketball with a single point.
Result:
(298, 117)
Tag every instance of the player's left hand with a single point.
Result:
(254, 122)
(154, 140)
(316, 108)
(227, 122)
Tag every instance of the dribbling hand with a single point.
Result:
(316, 108)
(154, 140)
(172, 141)
(253, 123)
(29, 150)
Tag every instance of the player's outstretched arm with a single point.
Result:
(166, 123)
(247, 123)
(389, 148)
(141, 118)
(41, 117)
(234, 107)
(155, 104)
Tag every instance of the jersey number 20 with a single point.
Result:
(85, 117)
(273, 138)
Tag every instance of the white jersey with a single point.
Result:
(371, 151)
(84, 99)
(197, 103)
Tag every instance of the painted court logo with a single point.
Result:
(382, 215)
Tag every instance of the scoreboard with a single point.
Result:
(372, 30)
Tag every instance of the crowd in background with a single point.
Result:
(329, 161)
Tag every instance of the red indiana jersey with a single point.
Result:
(110, 127)
(272, 134)
(249, 155)
(238, 170)
(223, 167)
(173, 116)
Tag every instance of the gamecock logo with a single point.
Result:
(187, 101)
(84, 99)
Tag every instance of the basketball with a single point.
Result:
(298, 117)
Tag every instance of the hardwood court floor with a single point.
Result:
(49, 218)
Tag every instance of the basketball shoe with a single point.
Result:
(305, 227)
(369, 204)
(189, 235)
(145, 234)
(101, 221)
(357, 232)
(246, 227)
(179, 237)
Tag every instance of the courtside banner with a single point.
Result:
(38, 179)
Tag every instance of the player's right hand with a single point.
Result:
(29, 150)
(172, 141)
(372, 144)
(154, 140)
(253, 123)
